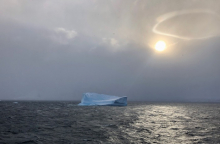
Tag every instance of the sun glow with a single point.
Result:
(160, 46)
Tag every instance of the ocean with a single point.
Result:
(140, 122)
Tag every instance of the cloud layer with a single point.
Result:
(57, 50)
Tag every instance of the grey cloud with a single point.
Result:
(103, 47)
(41, 69)
(63, 36)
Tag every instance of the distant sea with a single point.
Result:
(66, 123)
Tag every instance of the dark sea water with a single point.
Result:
(65, 122)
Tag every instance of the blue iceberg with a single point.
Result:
(90, 99)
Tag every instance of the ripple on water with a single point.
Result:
(64, 122)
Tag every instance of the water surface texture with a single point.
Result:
(65, 122)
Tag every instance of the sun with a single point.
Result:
(160, 46)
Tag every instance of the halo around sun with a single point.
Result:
(160, 46)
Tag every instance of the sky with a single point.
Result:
(58, 50)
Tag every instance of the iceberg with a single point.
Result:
(90, 99)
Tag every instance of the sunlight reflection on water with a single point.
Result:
(170, 124)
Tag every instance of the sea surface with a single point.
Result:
(66, 123)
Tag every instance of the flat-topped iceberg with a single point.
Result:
(90, 99)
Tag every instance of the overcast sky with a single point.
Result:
(58, 50)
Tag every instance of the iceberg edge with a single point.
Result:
(94, 99)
